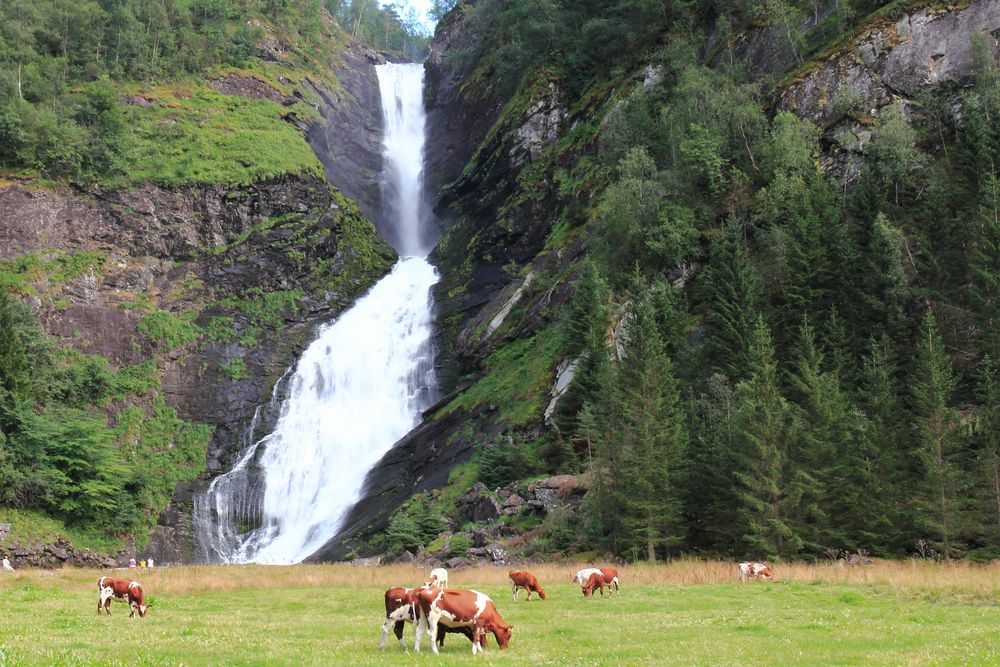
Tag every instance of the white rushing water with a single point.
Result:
(357, 389)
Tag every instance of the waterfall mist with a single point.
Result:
(356, 390)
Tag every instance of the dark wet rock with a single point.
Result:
(514, 501)
(58, 554)
(248, 86)
(349, 140)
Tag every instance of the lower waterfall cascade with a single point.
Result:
(358, 388)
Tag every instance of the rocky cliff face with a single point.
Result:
(253, 269)
(348, 141)
(889, 62)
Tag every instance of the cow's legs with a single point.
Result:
(421, 629)
(513, 591)
(398, 630)
(385, 633)
(105, 600)
(432, 629)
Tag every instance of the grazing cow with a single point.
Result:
(454, 608)
(753, 570)
(581, 576)
(523, 579)
(120, 589)
(596, 580)
(401, 608)
(438, 578)
(610, 577)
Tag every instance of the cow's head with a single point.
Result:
(142, 611)
(595, 581)
(502, 633)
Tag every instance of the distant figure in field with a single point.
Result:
(438, 579)
(7, 567)
(149, 563)
(131, 564)
(523, 579)
(120, 589)
(754, 570)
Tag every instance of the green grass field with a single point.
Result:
(330, 615)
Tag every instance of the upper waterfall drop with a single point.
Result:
(409, 229)
(357, 389)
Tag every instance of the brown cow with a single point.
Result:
(455, 608)
(120, 589)
(400, 608)
(611, 579)
(596, 580)
(523, 579)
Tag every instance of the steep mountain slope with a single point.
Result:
(822, 272)
(155, 306)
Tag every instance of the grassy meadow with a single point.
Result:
(689, 612)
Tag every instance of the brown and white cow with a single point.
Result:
(581, 576)
(120, 589)
(610, 575)
(523, 579)
(400, 608)
(754, 570)
(454, 608)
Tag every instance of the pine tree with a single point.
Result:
(761, 444)
(985, 263)
(13, 360)
(935, 424)
(641, 447)
(710, 500)
(734, 288)
(886, 290)
(894, 469)
(986, 436)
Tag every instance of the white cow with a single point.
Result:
(583, 575)
(438, 578)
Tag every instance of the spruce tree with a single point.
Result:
(709, 493)
(886, 289)
(761, 444)
(935, 425)
(640, 450)
(986, 437)
(13, 360)
(895, 470)
(734, 288)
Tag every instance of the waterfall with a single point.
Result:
(356, 390)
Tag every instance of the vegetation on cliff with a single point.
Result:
(210, 102)
(786, 347)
